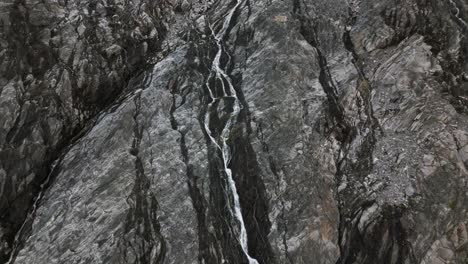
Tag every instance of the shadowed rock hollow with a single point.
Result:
(267, 131)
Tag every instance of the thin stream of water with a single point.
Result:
(218, 72)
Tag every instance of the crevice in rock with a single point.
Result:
(251, 188)
(244, 168)
(340, 128)
(357, 246)
(220, 198)
(367, 233)
(364, 87)
(206, 240)
(382, 239)
(143, 241)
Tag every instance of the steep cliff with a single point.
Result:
(234, 131)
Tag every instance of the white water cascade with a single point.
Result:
(219, 73)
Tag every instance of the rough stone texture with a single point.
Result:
(351, 145)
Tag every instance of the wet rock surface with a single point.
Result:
(234, 131)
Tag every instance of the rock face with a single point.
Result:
(238, 131)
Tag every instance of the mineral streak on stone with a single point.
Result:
(234, 131)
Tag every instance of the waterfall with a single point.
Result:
(228, 92)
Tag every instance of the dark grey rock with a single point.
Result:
(119, 131)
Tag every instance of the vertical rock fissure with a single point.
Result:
(205, 238)
(354, 238)
(351, 240)
(308, 31)
(147, 243)
(219, 139)
(252, 190)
